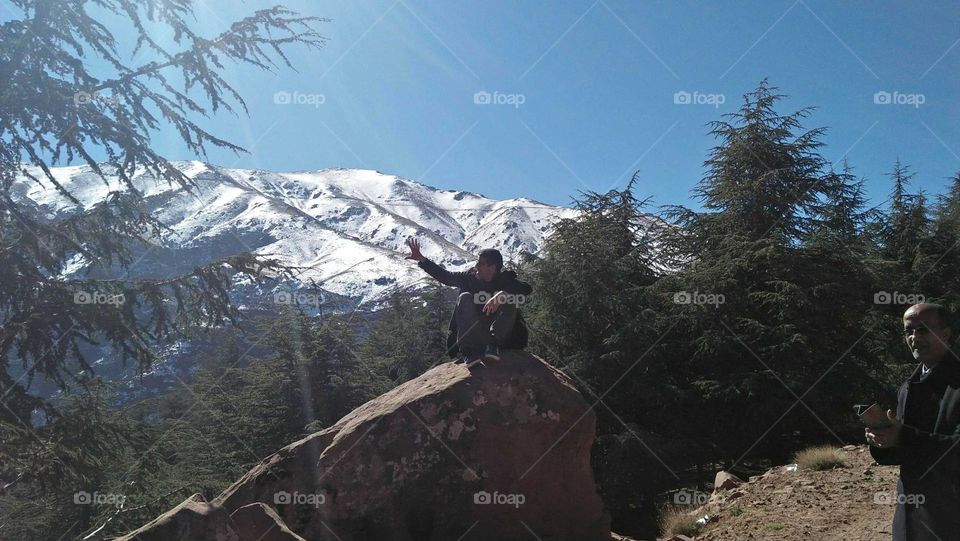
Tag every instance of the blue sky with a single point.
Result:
(587, 90)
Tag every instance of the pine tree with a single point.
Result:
(760, 195)
(203, 435)
(56, 107)
(408, 336)
(905, 228)
(840, 250)
(845, 273)
(948, 208)
(331, 373)
(589, 313)
(938, 274)
(762, 179)
(841, 218)
(50, 496)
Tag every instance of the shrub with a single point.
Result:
(677, 521)
(819, 458)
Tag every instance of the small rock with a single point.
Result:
(726, 481)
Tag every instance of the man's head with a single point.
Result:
(927, 332)
(489, 264)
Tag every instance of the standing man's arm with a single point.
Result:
(920, 447)
(927, 448)
(900, 442)
(885, 442)
(442, 275)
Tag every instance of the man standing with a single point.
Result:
(486, 317)
(924, 434)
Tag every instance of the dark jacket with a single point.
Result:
(467, 281)
(928, 492)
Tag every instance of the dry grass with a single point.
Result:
(823, 457)
(677, 521)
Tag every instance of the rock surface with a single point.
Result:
(192, 520)
(497, 452)
(260, 522)
(726, 481)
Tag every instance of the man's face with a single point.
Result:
(486, 270)
(925, 335)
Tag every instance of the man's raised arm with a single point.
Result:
(442, 275)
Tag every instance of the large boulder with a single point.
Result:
(497, 452)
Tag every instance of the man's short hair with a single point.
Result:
(492, 255)
(944, 315)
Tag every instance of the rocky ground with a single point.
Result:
(788, 504)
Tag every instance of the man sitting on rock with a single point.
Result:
(486, 317)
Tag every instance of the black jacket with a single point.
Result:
(467, 281)
(928, 492)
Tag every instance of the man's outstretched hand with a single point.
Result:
(414, 246)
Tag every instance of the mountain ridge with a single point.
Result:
(344, 227)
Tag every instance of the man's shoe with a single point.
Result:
(492, 353)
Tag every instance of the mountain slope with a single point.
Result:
(344, 228)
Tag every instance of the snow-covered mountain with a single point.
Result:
(344, 227)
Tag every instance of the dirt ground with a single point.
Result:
(850, 503)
